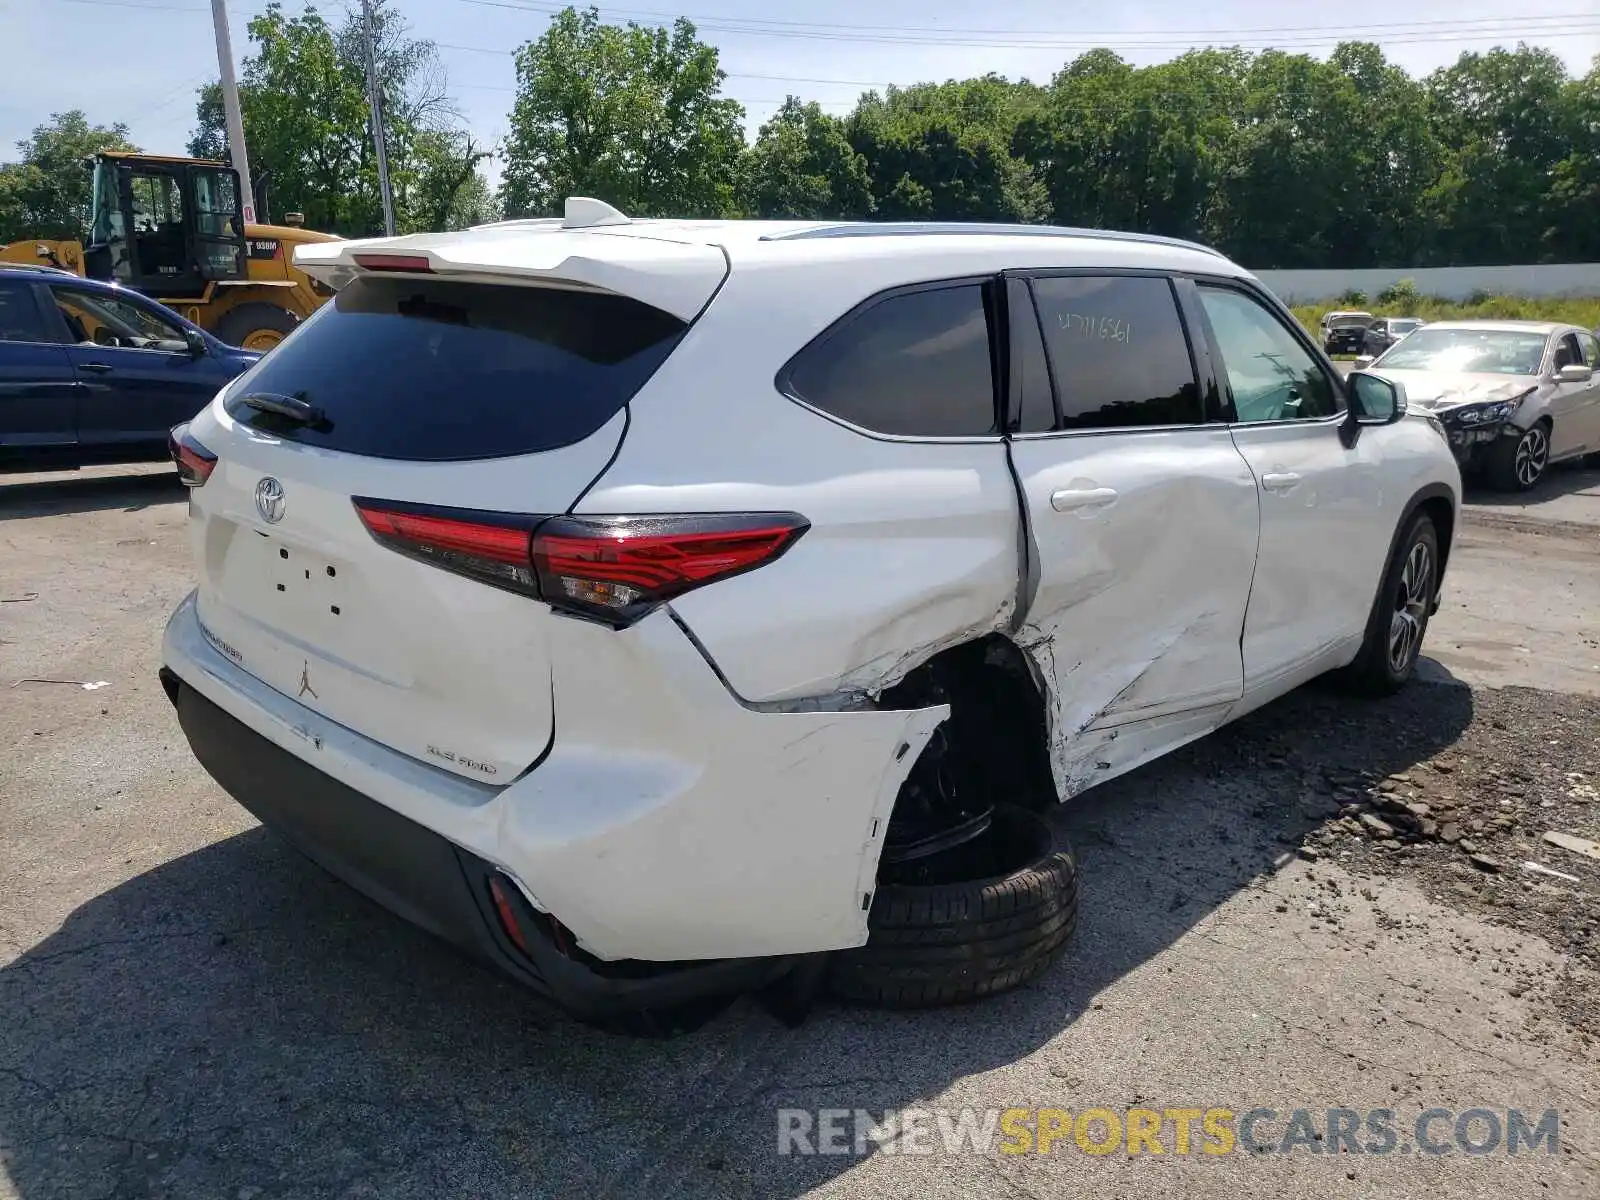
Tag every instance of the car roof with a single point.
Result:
(58, 275)
(1507, 326)
(36, 269)
(733, 234)
(677, 265)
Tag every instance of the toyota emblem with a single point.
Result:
(269, 500)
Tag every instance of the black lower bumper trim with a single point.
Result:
(429, 880)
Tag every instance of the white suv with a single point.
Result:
(655, 607)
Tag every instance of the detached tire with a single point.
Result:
(256, 326)
(935, 945)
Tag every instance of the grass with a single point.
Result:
(1575, 310)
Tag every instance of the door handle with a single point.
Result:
(1068, 499)
(97, 367)
(1280, 481)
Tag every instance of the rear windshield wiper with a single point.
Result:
(292, 408)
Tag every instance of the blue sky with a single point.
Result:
(139, 61)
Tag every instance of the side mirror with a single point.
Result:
(1575, 373)
(1363, 361)
(196, 343)
(1374, 400)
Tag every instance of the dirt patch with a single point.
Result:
(1464, 821)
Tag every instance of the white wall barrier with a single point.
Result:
(1449, 283)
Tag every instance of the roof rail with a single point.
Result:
(518, 222)
(977, 228)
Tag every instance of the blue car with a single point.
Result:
(91, 372)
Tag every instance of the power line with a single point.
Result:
(1051, 39)
(729, 74)
(1463, 29)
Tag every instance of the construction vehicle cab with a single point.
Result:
(168, 227)
(175, 229)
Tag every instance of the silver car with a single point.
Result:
(1514, 396)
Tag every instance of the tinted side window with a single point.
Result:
(1567, 352)
(20, 319)
(1038, 407)
(1271, 375)
(1591, 350)
(111, 321)
(915, 364)
(1117, 351)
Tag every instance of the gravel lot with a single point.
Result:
(189, 1009)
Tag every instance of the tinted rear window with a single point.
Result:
(435, 371)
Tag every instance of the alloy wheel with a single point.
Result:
(1533, 452)
(1410, 608)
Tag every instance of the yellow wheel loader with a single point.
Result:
(174, 229)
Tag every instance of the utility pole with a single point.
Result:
(375, 104)
(230, 108)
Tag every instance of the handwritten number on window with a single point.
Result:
(1092, 328)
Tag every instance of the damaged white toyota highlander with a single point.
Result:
(663, 610)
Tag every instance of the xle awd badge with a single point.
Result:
(269, 500)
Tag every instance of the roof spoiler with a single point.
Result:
(677, 277)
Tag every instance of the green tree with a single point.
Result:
(1136, 148)
(802, 166)
(943, 151)
(1396, 157)
(446, 190)
(1572, 232)
(306, 121)
(627, 114)
(1509, 117)
(46, 193)
(1288, 182)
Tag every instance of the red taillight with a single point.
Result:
(486, 547)
(507, 914)
(395, 262)
(614, 569)
(618, 568)
(194, 462)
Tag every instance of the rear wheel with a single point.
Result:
(938, 944)
(256, 326)
(1515, 465)
(1399, 619)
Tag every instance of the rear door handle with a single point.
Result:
(1068, 499)
(1280, 481)
(97, 367)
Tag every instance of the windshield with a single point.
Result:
(1487, 351)
(1341, 320)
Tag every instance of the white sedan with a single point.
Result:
(1514, 396)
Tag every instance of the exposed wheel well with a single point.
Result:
(997, 736)
(1443, 515)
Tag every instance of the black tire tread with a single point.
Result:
(238, 323)
(1369, 674)
(954, 943)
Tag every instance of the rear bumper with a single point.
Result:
(667, 823)
(424, 878)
